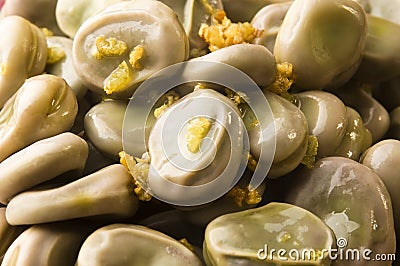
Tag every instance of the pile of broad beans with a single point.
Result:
(71, 193)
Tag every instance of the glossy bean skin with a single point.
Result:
(127, 244)
(351, 199)
(379, 8)
(387, 93)
(106, 192)
(42, 161)
(311, 38)
(254, 60)
(22, 56)
(339, 129)
(175, 164)
(381, 56)
(383, 159)
(236, 238)
(291, 132)
(48, 244)
(44, 106)
(103, 126)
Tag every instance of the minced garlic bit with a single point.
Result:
(311, 153)
(251, 163)
(170, 100)
(237, 97)
(139, 169)
(284, 78)
(224, 33)
(135, 55)
(186, 243)
(119, 79)
(198, 128)
(47, 32)
(55, 54)
(249, 196)
(109, 47)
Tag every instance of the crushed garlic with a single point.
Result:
(119, 79)
(138, 168)
(223, 33)
(247, 195)
(106, 47)
(197, 130)
(135, 55)
(55, 54)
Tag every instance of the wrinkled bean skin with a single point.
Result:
(34, 12)
(384, 159)
(235, 238)
(352, 199)
(65, 67)
(268, 21)
(23, 55)
(44, 106)
(126, 244)
(106, 192)
(48, 244)
(40, 162)
(312, 36)
(103, 126)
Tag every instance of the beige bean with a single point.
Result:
(103, 126)
(127, 244)
(40, 162)
(106, 192)
(248, 237)
(48, 244)
(23, 55)
(44, 106)
(254, 60)
(323, 40)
